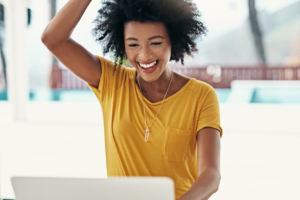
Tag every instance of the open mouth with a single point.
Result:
(148, 66)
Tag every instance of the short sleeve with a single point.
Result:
(110, 79)
(210, 112)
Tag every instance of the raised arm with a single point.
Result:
(57, 39)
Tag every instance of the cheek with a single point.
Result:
(130, 55)
(165, 53)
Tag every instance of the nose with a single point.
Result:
(145, 54)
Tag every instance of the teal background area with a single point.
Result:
(259, 95)
(82, 95)
(3, 95)
(222, 94)
(276, 95)
(74, 95)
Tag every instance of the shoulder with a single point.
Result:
(202, 91)
(113, 68)
(195, 85)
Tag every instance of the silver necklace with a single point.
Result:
(147, 131)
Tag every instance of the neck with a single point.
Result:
(158, 86)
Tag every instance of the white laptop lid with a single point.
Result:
(119, 188)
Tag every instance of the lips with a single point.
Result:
(150, 69)
(148, 65)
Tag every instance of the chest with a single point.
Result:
(131, 117)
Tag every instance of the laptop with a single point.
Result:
(116, 188)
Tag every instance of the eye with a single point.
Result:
(156, 43)
(133, 45)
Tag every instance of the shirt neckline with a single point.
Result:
(166, 99)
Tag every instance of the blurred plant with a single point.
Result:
(123, 61)
(3, 62)
(256, 32)
(29, 16)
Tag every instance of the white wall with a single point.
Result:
(58, 140)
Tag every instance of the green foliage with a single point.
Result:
(1, 13)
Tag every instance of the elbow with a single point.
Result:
(44, 36)
(215, 175)
(218, 181)
(48, 41)
(45, 39)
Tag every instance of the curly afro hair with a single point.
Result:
(181, 18)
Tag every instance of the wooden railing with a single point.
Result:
(221, 77)
(218, 77)
(65, 79)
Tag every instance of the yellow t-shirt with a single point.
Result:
(171, 147)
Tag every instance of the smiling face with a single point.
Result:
(148, 48)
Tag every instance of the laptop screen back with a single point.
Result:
(125, 188)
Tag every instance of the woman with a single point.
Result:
(156, 121)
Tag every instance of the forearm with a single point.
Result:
(204, 186)
(62, 25)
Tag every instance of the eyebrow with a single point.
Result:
(157, 36)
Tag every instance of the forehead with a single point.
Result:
(144, 30)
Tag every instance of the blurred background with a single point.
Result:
(51, 123)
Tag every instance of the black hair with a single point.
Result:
(181, 18)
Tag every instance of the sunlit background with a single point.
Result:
(51, 123)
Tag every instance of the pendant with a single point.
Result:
(147, 134)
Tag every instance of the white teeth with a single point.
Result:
(148, 65)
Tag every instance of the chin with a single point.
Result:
(150, 77)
